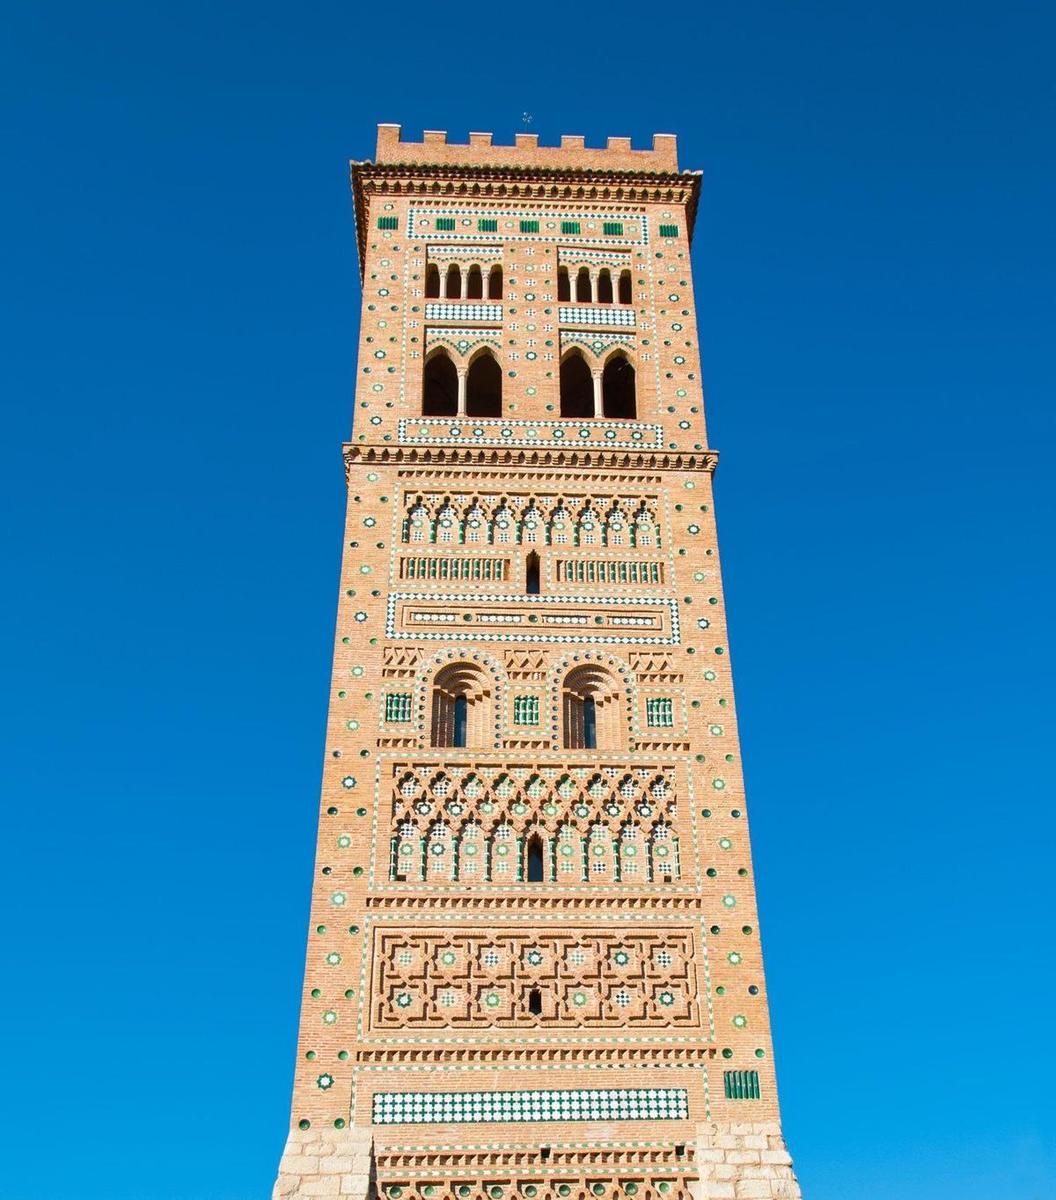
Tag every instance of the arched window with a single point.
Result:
(583, 286)
(624, 293)
(605, 287)
(495, 284)
(462, 704)
(475, 284)
(432, 281)
(533, 860)
(617, 388)
(531, 574)
(453, 290)
(563, 290)
(577, 387)
(484, 388)
(591, 703)
(439, 387)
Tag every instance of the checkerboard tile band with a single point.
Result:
(607, 1104)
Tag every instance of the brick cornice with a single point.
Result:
(452, 182)
(577, 460)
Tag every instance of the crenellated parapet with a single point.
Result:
(526, 152)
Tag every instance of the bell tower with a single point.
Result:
(534, 966)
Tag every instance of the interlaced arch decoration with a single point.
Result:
(561, 519)
(604, 825)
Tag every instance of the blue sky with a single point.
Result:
(874, 274)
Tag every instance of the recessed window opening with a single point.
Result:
(617, 389)
(605, 287)
(577, 388)
(624, 294)
(590, 724)
(439, 387)
(453, 290)
(462, 707)
(535, 1002)
(432, 281)
(475, 284)
(563, 291)
(534, 864)
(460, 721)
(495, 284)
(484, 388)
(593, 710)
(583, 286)
(531, 574)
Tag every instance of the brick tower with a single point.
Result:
(534, 966)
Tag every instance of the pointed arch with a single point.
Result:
(576, 387)
(484, 386)
(439, 386)
(535, 857)
(618, 388)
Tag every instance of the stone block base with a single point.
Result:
(746, 1161)
(332, 1162)
(734, 1162)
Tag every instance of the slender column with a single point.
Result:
(462, 392)
(598, 406)
(465, 283)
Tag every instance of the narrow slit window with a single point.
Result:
(460, 721)
(590, 724)
(535, 1002)
(531, 574)
(534, 865)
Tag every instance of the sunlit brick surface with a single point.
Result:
(534, 964)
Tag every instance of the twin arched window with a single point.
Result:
(586, 394)
(448, 392)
